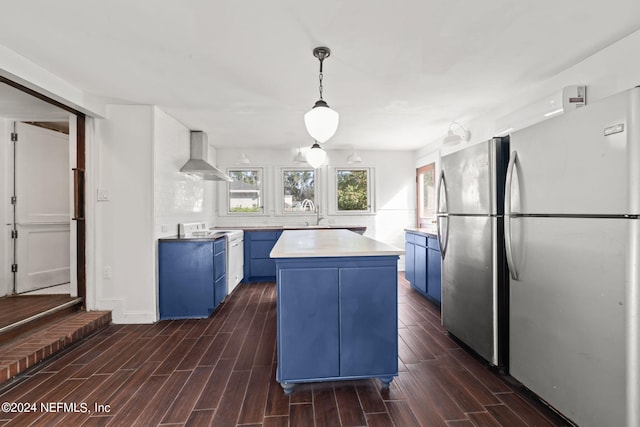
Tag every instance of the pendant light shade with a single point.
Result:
(316, 156)
(321, 121)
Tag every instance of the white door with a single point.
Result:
(42, 208)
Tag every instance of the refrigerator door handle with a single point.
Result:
(443, 238)
(507, 216)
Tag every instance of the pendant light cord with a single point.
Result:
(321, 76)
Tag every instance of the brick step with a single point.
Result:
(31, 314)
(30, 348)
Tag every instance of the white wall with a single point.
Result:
(177, 198)
(124, 239)
(394, 191)
(609, 71)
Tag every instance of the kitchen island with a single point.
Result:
(337, 307)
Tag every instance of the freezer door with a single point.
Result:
(583, 162)
(469, 283)
(567, 315)
(470, 176)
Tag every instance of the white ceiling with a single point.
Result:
(243, 71)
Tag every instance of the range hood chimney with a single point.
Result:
(198, 164)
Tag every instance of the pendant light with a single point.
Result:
(321, 121)
(316, 156)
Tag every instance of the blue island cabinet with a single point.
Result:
(191, 277)
(337, 319)
(423, 264)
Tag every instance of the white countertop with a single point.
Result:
(329, 243)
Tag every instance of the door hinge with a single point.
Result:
(14, 200)
(14, 234)
(14, 268)
(14, 136)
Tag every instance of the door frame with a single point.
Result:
(78, 185)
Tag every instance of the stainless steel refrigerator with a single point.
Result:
(572, 232)
(470, 229)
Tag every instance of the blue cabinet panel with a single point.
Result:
(368, 321)
(191, 279)
(422, 265)
(258, 265)
(308, 329)
(185, 279)
(262, 268)
(434, 268)
(220, 264)
(220, 287)
(420, 276)
(261, 248)
(409, 259)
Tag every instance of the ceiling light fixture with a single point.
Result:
(455, 138)
(321, 121)
(316, 156)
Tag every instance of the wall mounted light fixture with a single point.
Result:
(321, 121)
(300, 158)
(354, 158)
(457, 137)
(244, 160)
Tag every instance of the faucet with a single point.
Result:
(318, 217)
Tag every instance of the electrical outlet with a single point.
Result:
(164, 228)
(107, 272)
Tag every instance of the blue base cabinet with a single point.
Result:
(337, 319)
(423, 265)
(258, 265)
(192, 277)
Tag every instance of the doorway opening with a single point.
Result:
(46, 251)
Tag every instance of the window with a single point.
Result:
(298, 190)
(353, 190)
(426, 194)
(245, 192)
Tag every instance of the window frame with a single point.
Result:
(333, 190)
(227, 197)
(422, 221)
(317, 188)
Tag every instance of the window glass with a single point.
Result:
(353, 190)
(298, 190)
(245, 192)
(426, 190)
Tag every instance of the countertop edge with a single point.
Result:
(422, 231)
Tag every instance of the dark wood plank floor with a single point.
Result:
(20, 307)
(221, 372)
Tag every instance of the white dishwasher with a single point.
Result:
(235, 257)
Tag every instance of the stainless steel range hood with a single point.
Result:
(198, 164)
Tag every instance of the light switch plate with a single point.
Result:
(103, 195)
